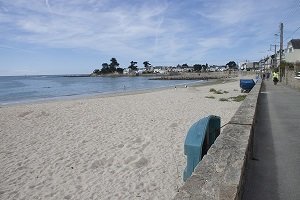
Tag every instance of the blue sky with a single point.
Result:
(66, 37)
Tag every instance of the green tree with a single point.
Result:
(185, 65)
(232, 65)
(205, 67)
(113, 65)
(120, 70)
(105, 68)
(96, 71)
(147, 65)
(132, 65)
(197, 67)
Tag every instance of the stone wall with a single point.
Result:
(290, 79)
(220, 174)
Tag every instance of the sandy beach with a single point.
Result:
(115, 147)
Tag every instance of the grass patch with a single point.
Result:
(225, 92)
(212, 90)
(215, 91)
(223, 99)
(238, 98)
(210, 97)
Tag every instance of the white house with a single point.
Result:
(251, 66)
(292, 53)
(160, 70)
(141, 70)
(126, 71)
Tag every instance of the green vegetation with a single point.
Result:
(133, 66)
(223, 99)
(238, 98)
(212, 90)
(109, 68)
(147, 66)
(232, 65)
(215, 91)
(113, 68)
(199, 67)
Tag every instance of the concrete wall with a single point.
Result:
(290, 79)
(220, 174)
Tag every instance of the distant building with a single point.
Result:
(160, 69)
(251, 66)
(216, 68)
(211, 68)
(126, 71)
(141, 70)
(292, 52)
(242, 65)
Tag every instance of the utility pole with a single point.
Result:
(275, 54)
(281, 49)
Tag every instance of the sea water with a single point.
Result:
(22, 89)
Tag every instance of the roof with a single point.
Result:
(295, 43)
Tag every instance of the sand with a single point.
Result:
(117, 147)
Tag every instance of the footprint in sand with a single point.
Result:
(42, 114)
(25, 113)
(138, 140)
(129, 159)
(173, 125)
(142, 162)
(99, 163)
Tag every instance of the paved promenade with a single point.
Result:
(274, 171)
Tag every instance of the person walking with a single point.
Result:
(275, 77)
(268, 75)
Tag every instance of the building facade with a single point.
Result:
(292, 52)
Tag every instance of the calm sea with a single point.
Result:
(22, 89)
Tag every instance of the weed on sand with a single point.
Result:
(238, 98)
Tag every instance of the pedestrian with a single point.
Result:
(268, 75)
(275, 77)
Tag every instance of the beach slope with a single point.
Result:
(117, 147)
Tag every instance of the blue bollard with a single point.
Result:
(199, 138)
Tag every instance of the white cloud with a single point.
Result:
(166, 31)
(228, 12)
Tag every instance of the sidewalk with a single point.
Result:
(274, 172)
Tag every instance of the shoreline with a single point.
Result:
(111, 94)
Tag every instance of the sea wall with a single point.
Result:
(198, 76)
(290, 79)
(221, 173)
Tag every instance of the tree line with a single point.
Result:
(113, 67)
